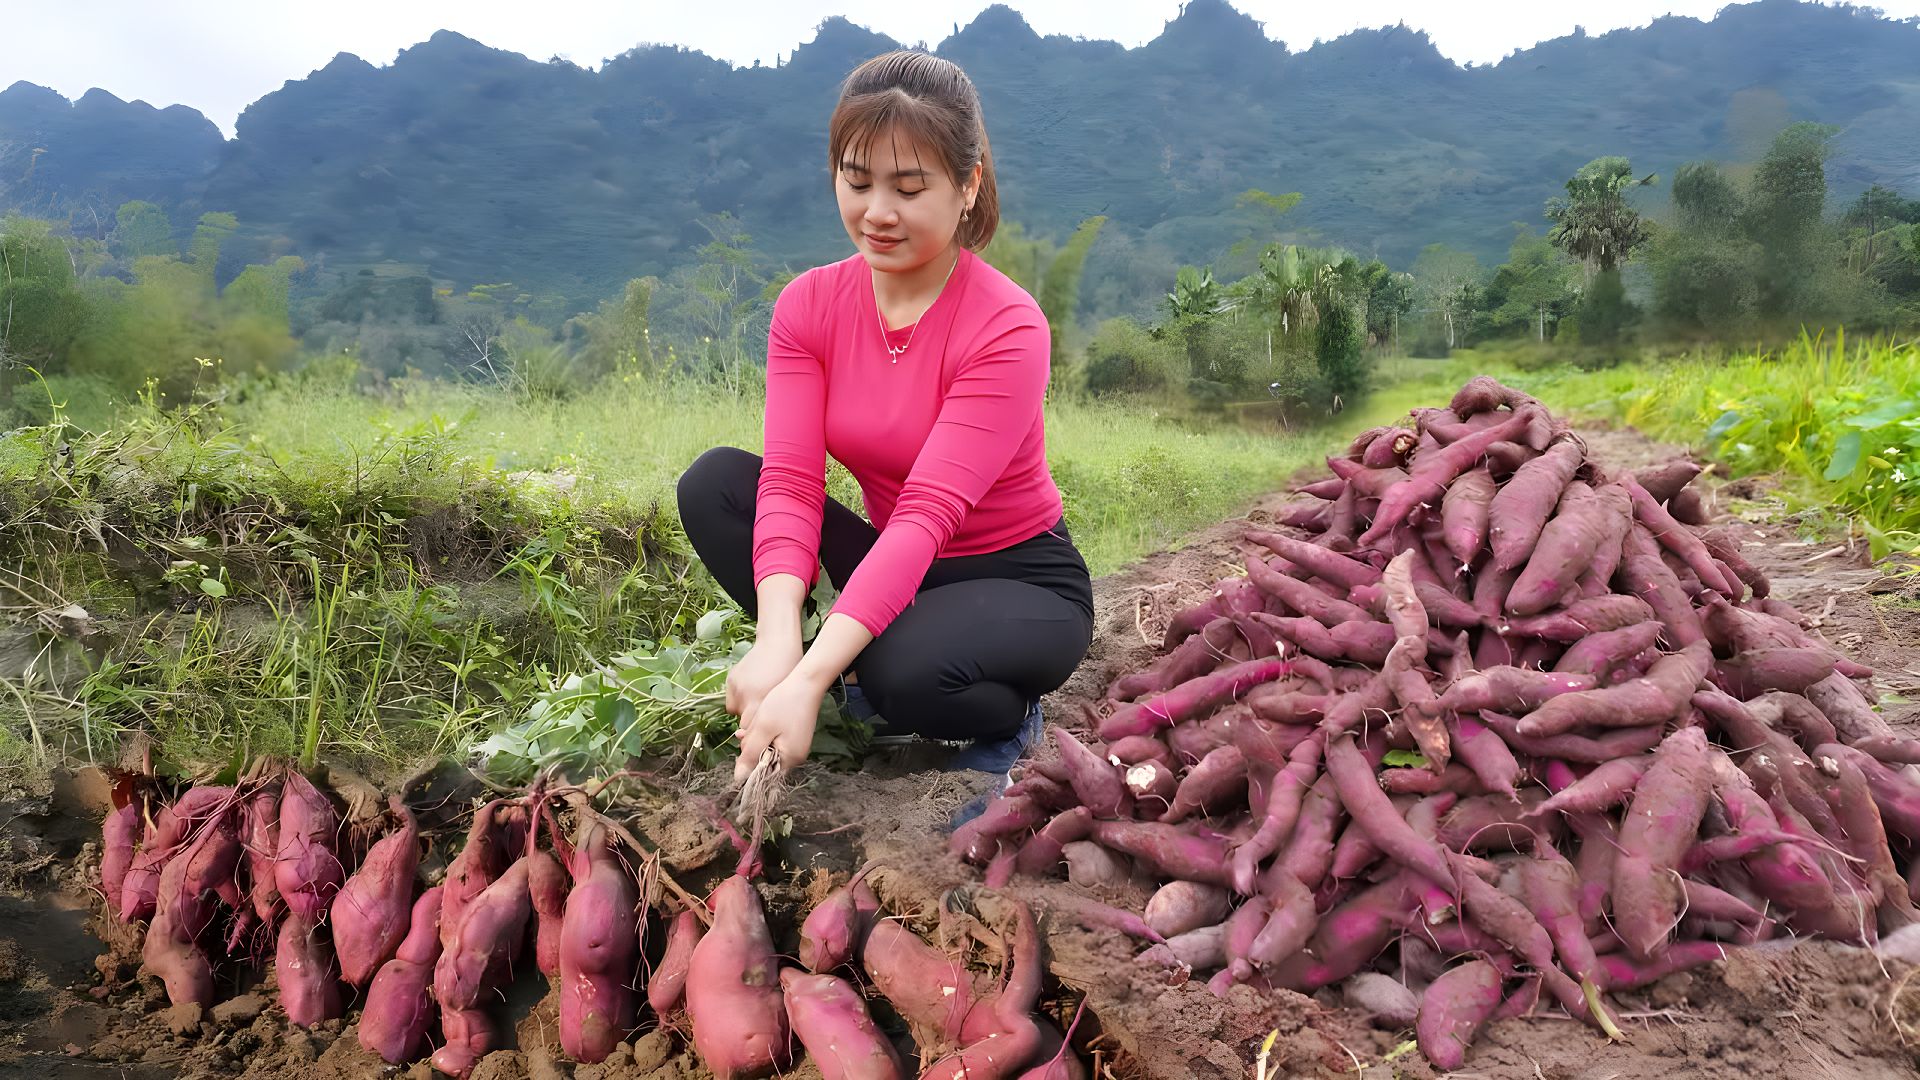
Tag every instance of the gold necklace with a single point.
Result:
(878, 318)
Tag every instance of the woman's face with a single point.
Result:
(899, 203)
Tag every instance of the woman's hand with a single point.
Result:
(785, 720)
(763, 668)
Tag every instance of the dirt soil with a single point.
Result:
(72, 1004)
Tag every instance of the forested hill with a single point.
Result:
(487, 166)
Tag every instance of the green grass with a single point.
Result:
(314, 568)
(1837, 420)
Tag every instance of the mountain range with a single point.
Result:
(482, 165)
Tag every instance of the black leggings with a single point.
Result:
(985, 636)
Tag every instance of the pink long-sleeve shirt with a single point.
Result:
(947, 442)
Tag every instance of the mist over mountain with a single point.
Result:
(483, 165)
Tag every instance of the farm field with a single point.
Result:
(343, 629)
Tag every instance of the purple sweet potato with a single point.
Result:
(1659, 696)
(1757, 671)
(1299, 596)
(1679, 539)
(1659, 825)
(1170, 851)
(400, 1007)
(1453, 1010)
(1373, 811)
(1214, 781)
(482, 946)
(1463, 514)
(1623, 972)
(1097, 784)
(371, 912)
(979, 840)
(1190, 698)
(1044, 849)
(1230, 595)
(262, 838)
(929, 989)
(1342, 570)
(597, 943)
(1663, 482)
(666, 989)
(1520, 509)
(1190, 659)
(547, 891)
(1277, 814)
(304, 964)
(1483, 751)
(184, 909)
(1576, 748)
(1431, 474)
(1602, 789)
(305, 869)
(470, 1036)
(1511, 689)
(830, 1019)
(119, 835)
(1567, 546)
(733, 988)
(1588, 615)
(139, 891)
(1601, 655)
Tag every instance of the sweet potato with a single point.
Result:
(1659, 826)
(1326, 490)
(1230, 595)
(139, 890)
(1567, 546)
(1299, 596)
(1679, 539)
(830, 1019)
(1190, 659)
(1374, 812)
(1097, 784)
(1588, 615)
(930, 990)
(304, 964)
(1339, 569)
(1432, 473)
(185, 907)
(1852, 715)
(481, 951)
(1726, 549)
(262, 839)
(1576, 748)
(1277, 813)
(1655, 698)
(470, 1036)
(1044, 849)
(1214, 780)
(1602, 655)
(1487, 754)
(1757, 671)
(1511, 689)
(1308, 855)
(1361, 642)
(1453, 1010)
(1198, 949)
(1464, 511)
(400, 1007)
(978, 840)
(1170, 851)
(666, 989)
(1623, 972)
(1182, 906)
(305, 869)
(370, 913)
(1190, 698)
(119, 834)
(547, 892)
(1520, 508)
(597, 943)
(1365, 481)
(733, 989)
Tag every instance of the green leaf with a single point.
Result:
(712, 625)
(1846, 455)
(1884, 415)
(1413, 759)
(212, 587)
(613, 713)
(1723, 425)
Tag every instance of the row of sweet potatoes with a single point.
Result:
(220, 865)
(1614, 753)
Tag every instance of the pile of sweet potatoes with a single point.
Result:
(1486, 728)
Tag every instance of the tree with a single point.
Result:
(41, 307)
(1339, 354)
(1784, 206)
(1447, 281)
(1389, 298)
(1533, 288)
(1060, 285)
(141, 229)
(208, 236)
(1703, 264)
(1593, 223)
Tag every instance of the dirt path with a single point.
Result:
(1807, 1009)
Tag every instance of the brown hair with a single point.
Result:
(931, 101)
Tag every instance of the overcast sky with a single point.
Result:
(219, 55)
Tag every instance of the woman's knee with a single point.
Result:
(716, 475)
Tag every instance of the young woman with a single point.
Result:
(922, 370)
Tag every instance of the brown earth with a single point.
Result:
(1787, 1009)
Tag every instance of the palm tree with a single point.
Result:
(1594, 223)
